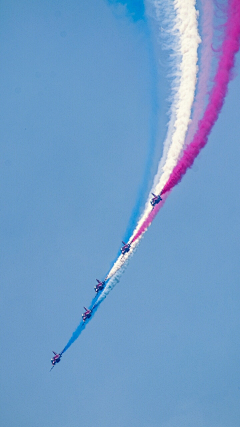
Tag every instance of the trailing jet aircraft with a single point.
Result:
(125, 248)
(55, 359)
(87, 314)
(100, 286)
(155, 200)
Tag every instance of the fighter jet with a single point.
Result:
(55, 359)
(87, 314)
(125, 248)
(100, 286)
(155, 200)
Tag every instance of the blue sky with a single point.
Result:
(133, 9)
(76, 111)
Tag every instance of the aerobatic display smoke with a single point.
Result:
(205, 68)
(186, 25)
(180, 17)
(185, 46)
(229, 48)
(184, 40)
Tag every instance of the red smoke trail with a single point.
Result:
(149, 219)
(230, 47)
(206, 19)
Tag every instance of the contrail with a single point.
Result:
(230, 47)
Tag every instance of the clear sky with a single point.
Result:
(76, 123)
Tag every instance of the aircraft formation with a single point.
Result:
(100, 285)
(191, 123)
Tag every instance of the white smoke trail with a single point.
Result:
(189, 41)
(166, 15)
(205, 67)
(185, 26)
(183, 40)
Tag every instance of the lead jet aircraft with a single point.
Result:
(87, 314)
(100, 286)
(155, 200)
(55, 359)
(125, 248)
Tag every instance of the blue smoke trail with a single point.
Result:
(135, 11)
(93, 306)
(148, 170)
(75, 335)
(111, 283)
(164, 14)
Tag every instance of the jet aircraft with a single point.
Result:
(87, 314)
(125, 248)
(55, 359)
(100, 286)
(155, 200)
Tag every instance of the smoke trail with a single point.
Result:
(186, 27)
(149, 220)
(113, 280)
(205, 67)
(147, 174)
(189, 41)
(198, 107)
(172, 42)
(183, 38)
(75, 335)
(230, 47)
(135, 11)
(182, 26)
(165, 14)
(97, 300)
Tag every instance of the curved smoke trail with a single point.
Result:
(199, 103)
(206, 19)
(229, 49)
(186, 27)
(172, 42)
(184, 40)
(182, 25)
(189, 41)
